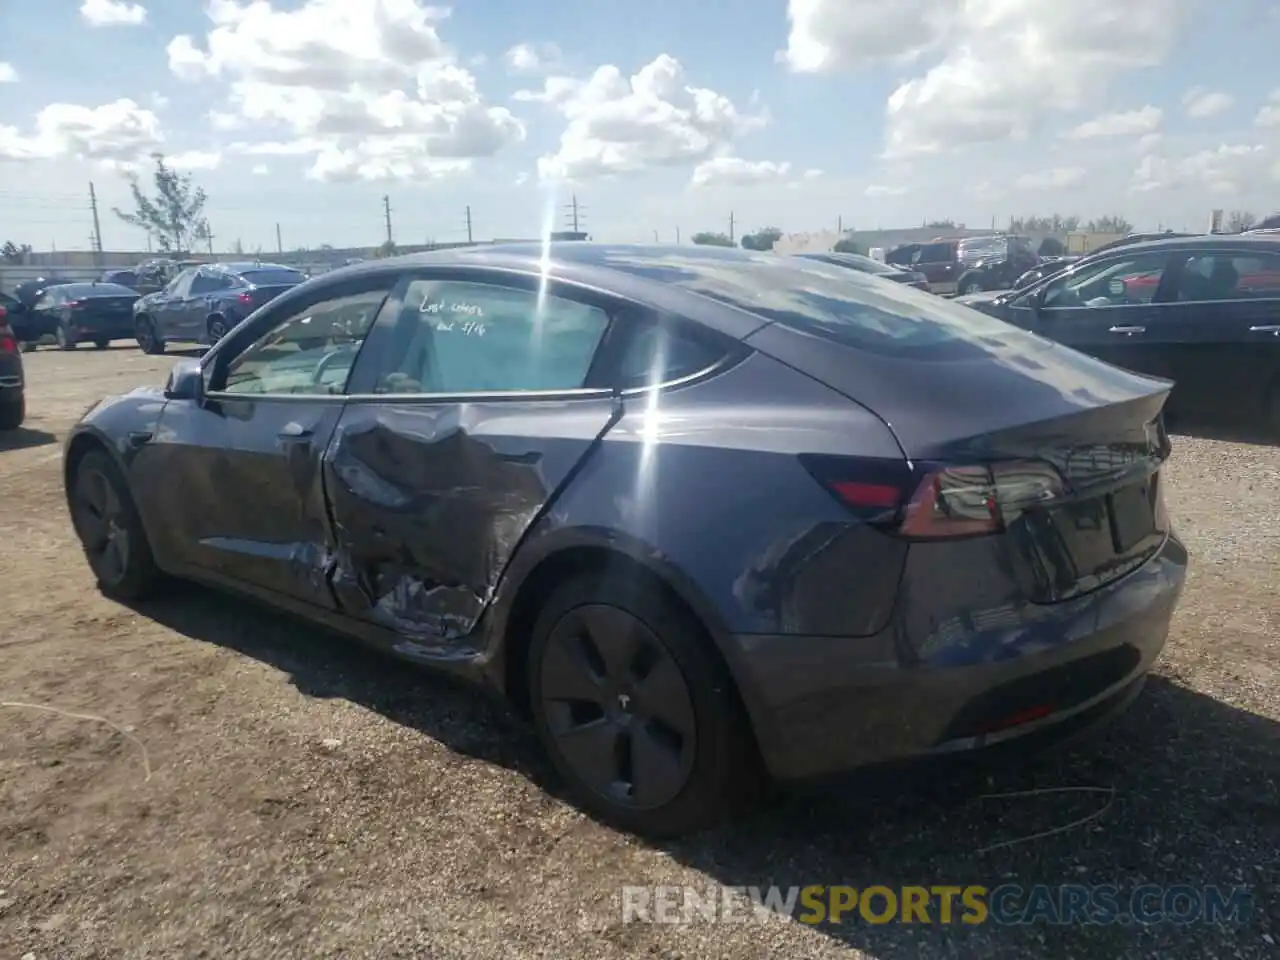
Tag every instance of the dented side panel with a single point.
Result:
(430, 500)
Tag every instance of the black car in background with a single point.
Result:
(13, 405)
(855, 261)
(158, 272)
(993, 263)
(96, 312)
(203, 303)
(126, 278)
(1047, 268)
(1202, 311)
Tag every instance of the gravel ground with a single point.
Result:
(262, 790)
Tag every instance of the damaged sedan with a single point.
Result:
(706, 516)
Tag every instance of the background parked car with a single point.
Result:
(993, 263)
(96, 312)
(1047, 268)
(1201, 310)
(203, 303)
(855, 261)
(157, 273)
(13, 403)
(935, 259)
(126, 278)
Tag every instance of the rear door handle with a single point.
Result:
(139, 438)
(1129, 330)
(1268, 329)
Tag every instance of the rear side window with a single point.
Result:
(659, 353)
(1230, 276)
(466, 337)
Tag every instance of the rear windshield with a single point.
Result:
(832, 302)
(96, 290)
(268, 277)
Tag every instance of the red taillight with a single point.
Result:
(246, 298)
(934, 501)
(7, 343)
(74, 304)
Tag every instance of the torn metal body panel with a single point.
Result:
(430, 500)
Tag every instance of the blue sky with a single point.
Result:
(660, 116)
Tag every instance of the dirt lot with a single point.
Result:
(272, 792)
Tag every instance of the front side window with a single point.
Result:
(1121, 281)
(936, 253)
(465, 337)
(311, 352)
(1230, 276)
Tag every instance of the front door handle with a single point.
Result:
(1274, 329)
(139, 438)
(1129, 330)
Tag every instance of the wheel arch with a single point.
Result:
(524, 591)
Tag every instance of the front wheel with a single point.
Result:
(101, 344)
(148, 340)
(106, 521)
(636, 709)
(969, 284)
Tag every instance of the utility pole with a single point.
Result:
(279, 241)
(677, 236)
(573, 212)
(97, 226)
(208, 235)
(469, 240)
(386, 215)
(731, 226)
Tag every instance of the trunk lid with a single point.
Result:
(259, 295)
(1003, 395)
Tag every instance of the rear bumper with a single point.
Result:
(113, 328)
(11, 379)
(823, 705)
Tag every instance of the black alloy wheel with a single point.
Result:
(217, 329)
(618, 707)
(110, 530)
(636, 710)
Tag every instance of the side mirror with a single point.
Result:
(186, 381)
(1037, 301)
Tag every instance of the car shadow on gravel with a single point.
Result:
(1182, 790)
(1205, 429)
(24, 438)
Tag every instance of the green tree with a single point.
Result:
(708, 239)
(941, 224)
(846, 245)
(762, 239)
(174, 216)
(1109, 224)
(14, 253)
(1238, 221)
(388, 249)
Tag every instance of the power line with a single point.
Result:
(574, 212)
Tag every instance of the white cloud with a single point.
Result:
(112, 13)
(260, 170)
(988, 192)
(880, 190)
(195, 160)
(1229, 169)
(116, 133)
(1269, 115)
(1201, 104)
(7, 73)
(813, 174)
(1130, 123)
(534, 58)
(370, 87)
(736, 172)
(618, 125)
(829, 35)
(1000, 66)
(1058, 178)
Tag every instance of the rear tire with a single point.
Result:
(107, 522)
(101, 344)
(969, 284)
(217, 328)
(12, 414)
(636, 710)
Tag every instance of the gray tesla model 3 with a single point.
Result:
(709, 516)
